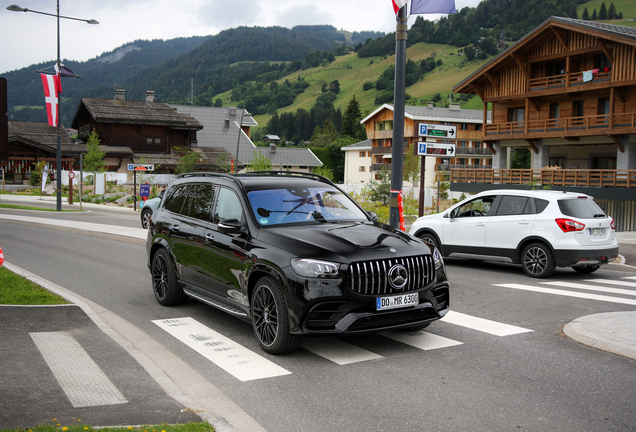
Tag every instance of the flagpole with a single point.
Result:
(397, 155)
(58, 166)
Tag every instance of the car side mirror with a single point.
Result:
(373, 215)
(453, 214)
(230, 226)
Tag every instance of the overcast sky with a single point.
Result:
(30, 38)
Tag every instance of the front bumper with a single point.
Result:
(340, 316)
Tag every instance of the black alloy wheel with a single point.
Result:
(164, 282)
(145, 218)
(270, 319)
(587, 269)
(537, 260)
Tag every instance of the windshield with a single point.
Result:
(303, 205)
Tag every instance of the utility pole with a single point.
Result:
(397, 155)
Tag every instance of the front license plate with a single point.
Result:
(597, 231)
(399, 301)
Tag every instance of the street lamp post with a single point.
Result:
(60, 128)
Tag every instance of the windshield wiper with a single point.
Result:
(599, 215)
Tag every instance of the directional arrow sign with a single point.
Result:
(438, 131)
(141, 167)
(435, 149)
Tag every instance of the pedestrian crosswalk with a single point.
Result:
(586, 290)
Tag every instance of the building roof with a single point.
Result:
(217, 132)
(136, 112)
(430, 113)
(42, 135)
(610, 31)
(359, 145)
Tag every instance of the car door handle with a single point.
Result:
(481, 224)
(524, 223)
(174, 228)
(209, 237)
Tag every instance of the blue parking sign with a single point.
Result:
(423, 129)
(421, 148)
(144, 190)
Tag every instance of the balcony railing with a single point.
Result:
(381, 150)
(555, 177)
(450, 167)
(558, 126)
(378, 167)
(565, 81)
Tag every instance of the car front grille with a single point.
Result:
(371, 277)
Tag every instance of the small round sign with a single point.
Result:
(71, 175)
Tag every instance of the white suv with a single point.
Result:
(538, 229)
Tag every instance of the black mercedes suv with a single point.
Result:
(293, 254)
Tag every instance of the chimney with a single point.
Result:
(120, 94)
(454, 107)
(431, 105)
(227, 123)
(150, 96)
(272, 147)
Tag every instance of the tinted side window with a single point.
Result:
(228, 206)
(200, 201)
(476, 207)
(177, 197)
(580, 208)
(540, 204)
(514, 205)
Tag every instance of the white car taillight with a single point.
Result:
(569, 225)
(612, 224)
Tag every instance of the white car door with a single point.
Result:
(512, 222)
(465, 230)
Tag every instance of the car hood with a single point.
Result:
(345, 243)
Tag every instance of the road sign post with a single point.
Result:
(134, 168)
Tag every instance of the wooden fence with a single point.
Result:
(543, 177)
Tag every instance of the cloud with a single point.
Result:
(229, 14)
(307, 14)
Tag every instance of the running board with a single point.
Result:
(215, 303)
(481, 257)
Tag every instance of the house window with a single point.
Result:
(603, 106)
(557, 161)
(516, 114)
(153, 140)
(361, 154)
(464, 126)
(601, 62)
(554, 68)
(554, 110)
(604, 162)
(362, 169)
(578, 109)
(462, 144)
(368, 154)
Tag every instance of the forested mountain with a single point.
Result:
(167, 67)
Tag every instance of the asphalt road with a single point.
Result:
(531, 379)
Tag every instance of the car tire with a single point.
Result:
(164, 281)
(430, 239)
(270, 319)
(537, 260)
(145, 218)
(587, 269)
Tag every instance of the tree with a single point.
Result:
(187, 163)
(324, 136)
(602, 13)
(94, 159)
(469, 52)
(611, 12)
(351, 124)
(520, 158)
(594, 15)
(259, 162)
(218, 102)
(411, 167)
(586, 15)
(380, 192)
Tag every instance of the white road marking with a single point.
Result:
(483, 325)
(421, 339)
(79, 376)
(569, 293)
(629, 277)
(592, 288)
(338, 351)
(613, 282)
(235, 359)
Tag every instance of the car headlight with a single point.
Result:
(314, 268)
(437, 258)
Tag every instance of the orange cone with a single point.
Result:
(1, 257)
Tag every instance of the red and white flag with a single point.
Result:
(397, 5)
(51, 85)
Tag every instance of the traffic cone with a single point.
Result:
(1, 257)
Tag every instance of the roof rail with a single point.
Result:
(205, 174)
(292, 173)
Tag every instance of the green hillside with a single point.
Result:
(352, 72)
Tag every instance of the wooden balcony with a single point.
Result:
(473, 151)
(543, 177)
(603, 124)
(382, 134)
(381, 150)
(569, 81)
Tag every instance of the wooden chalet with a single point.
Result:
(567, 92)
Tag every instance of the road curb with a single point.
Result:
(588, 330)
(177, 378)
